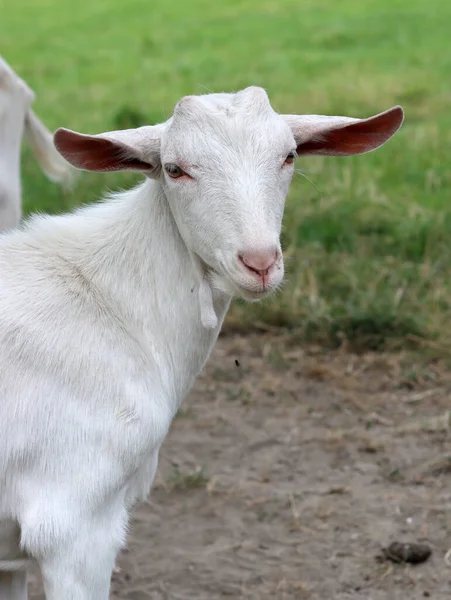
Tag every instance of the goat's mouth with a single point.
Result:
(237, 282)
(237, 288)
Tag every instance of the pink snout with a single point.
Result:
(260, 262)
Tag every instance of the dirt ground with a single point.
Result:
(287, 471)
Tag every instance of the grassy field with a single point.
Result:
(368, 245)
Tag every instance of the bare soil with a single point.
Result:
(287, 471)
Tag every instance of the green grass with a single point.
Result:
(369, 248)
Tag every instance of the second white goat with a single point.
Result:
(17, 118)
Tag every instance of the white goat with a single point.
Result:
(108, 315)
(15, 117)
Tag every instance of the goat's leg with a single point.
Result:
(13, 585)
(80, 571)
(66, 581)
(79, 566)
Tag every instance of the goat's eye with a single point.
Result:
(290, 158)
(173, 171)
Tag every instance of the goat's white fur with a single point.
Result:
(108, 315)
(17, 118)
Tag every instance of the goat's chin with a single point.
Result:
(227, 286)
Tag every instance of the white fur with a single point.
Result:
(108, 315)
(17, 118)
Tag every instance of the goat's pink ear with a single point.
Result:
(101, 152)
(343, 136)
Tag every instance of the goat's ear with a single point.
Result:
(343, 136)
(127, 150)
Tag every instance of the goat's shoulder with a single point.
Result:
(48, 301)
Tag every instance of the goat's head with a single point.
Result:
(225, 162)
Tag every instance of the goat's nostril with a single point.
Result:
(259, 262)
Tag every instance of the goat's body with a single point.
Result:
(100, 341)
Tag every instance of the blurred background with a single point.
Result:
(366, 237)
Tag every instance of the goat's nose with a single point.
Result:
(259, 262)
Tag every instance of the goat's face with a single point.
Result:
(225, 162)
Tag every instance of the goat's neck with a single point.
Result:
(137, 259)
